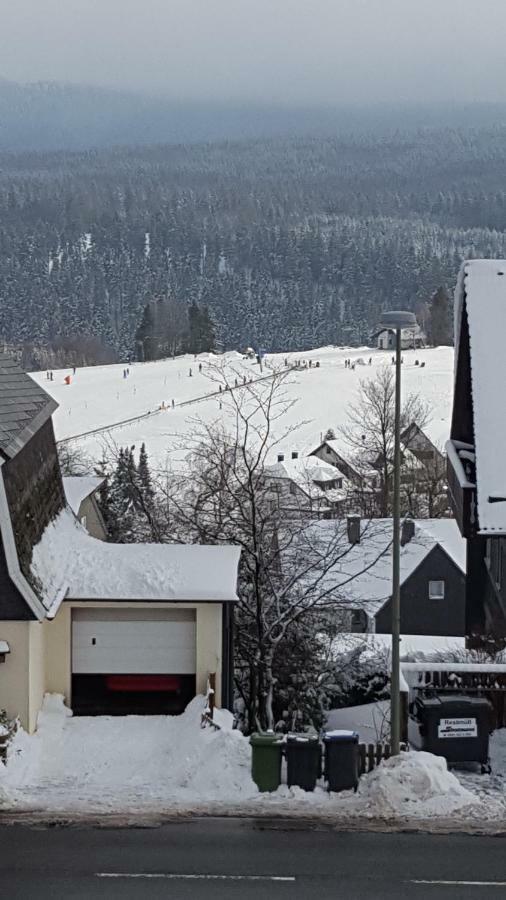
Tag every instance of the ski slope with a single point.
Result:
(101, 398)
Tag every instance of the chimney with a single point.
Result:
(407, 531)
(281, 457)
(353, 523)
(295, 454)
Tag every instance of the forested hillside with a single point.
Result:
(290, 243)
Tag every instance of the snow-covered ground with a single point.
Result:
(98, 397)
(137, 765)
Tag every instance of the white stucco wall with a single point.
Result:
(58, 643)
(36, 672)
(14, 673)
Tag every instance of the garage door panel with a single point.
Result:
(123, 646)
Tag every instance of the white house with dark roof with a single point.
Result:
(114, 628)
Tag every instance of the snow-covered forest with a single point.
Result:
(290, 243)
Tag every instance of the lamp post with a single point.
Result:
(396, 321)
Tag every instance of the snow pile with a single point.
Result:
(371, 721)
(125, 763)
(413, 784)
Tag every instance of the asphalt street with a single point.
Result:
(204, 859)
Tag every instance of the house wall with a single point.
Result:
(58, 642)
(419, 615)
(36, 672)
(94, 522)
(22, 676)
(14, 673)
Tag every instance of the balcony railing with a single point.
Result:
(461, 476)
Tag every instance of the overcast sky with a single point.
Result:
(316, 51)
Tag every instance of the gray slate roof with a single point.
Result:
(24, 407)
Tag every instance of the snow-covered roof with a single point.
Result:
(482, 287)
(78, 487)
(302, 470)
(69, 563)
(4, 647)
(309, 473)
(363, 575)
(419, 646)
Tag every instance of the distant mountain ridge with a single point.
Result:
(45, 116)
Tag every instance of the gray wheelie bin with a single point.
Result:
(341, 760)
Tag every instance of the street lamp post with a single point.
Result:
(396, 321)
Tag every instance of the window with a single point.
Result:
(436, 590)
(293, 488)
(83, 521)
(328, 450)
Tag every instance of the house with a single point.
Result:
(432, 572)
(476, 451)
(114, 628)
(331, 452)
(81, 495)
(305, 486)
(411, 338)
(415, 439)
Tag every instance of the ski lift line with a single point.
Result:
(105, 428)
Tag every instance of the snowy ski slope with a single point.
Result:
(100, 397)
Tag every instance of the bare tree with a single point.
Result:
(370, 432)
(74, 460)
(424, 486)
(288, 574)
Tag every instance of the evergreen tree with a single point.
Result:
(440, 326)
(201, 337)
(144, 479)
(121, 500)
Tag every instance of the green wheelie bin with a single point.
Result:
(266, 760)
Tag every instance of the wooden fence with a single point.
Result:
(370, 755)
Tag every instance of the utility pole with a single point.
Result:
(397, 321)
(395, 716)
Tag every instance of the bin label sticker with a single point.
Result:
(457, 728)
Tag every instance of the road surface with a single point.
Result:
(205, 859)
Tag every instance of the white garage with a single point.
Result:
(129, 641)
(132, 661)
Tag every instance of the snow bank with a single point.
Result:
(413, 784)
(117, 763)
(165, 764)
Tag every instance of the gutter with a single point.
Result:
(11, 556)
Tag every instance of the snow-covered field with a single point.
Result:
(162, 765)
(98, 397)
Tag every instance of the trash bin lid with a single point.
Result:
(301, 737)
(265, 738)
(340, 734)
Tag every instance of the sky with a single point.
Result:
(316, 52)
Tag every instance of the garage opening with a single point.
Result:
(133, 662)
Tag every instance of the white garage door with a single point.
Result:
(127, 641)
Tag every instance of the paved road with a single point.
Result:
(206, 859)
